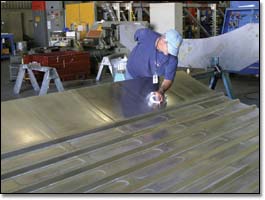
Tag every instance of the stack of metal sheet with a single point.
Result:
(105, 139)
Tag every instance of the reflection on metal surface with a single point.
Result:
(123, 181)
(106, 138)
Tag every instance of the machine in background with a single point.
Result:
(80, 17)
(48, 16)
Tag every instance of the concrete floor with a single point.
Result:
(245, 88)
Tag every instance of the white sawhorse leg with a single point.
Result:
(105, 62)
(50, 73)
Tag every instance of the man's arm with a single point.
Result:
(170, 73)
(166, 84)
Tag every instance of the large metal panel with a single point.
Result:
(105, 139)
(229, 47)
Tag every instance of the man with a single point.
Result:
(154, 55)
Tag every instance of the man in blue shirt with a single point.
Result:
(154, 55)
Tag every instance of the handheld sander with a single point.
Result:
(154, 101)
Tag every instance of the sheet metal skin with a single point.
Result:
(105, 139)
(33, 121)
(63, 114)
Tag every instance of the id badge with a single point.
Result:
(155, 79)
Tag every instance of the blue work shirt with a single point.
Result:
(142, 60)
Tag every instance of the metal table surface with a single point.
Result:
(106, 138)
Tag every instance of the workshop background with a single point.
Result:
(71, 123)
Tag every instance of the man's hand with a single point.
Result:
(166, 84)
(159, 96)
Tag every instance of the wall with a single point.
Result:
(15, 25)
(165, 16)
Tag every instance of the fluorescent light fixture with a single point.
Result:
(247, 6)
(213, 6)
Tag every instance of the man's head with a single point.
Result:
(162, 45)
(170, 42)
(174, 40)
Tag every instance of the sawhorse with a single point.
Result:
(50, 74)
(224, 75)
(116, 64)
(226, 80)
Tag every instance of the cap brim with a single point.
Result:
(172, 50)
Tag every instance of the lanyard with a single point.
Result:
(159, 64)
(156, 63)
